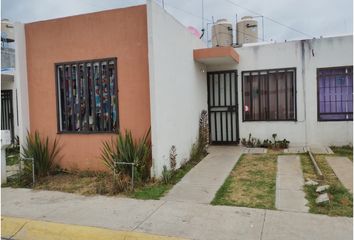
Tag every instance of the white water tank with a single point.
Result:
(247, 30)
(222, 33)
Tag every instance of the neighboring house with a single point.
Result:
(14, 93)
(133, 68)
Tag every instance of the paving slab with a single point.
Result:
(295, 150)
(201, 183)
(289, 193)
(279, 225)
(320, 150)
(188, 220)
(255, 150)
(343, 168)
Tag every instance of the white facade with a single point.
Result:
(17, 82)
(306, 56)
(178, 90)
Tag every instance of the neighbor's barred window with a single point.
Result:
(335, 93)
(269, 95)
(87, 96)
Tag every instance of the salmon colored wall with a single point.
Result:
(120, 33)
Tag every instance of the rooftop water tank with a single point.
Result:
(247, 30)
(222, 33)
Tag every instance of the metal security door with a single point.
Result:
(222, 106)
(7, 113)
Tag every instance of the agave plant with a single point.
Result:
(44, 153)
(125, 149)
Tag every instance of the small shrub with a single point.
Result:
(121, 183)
(267, 143)
(44, 153)
(283, 144)
(126, 149)
(173, 156)
(203, 136)
(254, 142)
(166, 175)
(251, 142)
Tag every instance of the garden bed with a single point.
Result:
(93, 183)
(251, 183)
(340, 200)
(345, 151)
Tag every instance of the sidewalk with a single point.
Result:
(205, 179)
(171, 218)
(19, 228)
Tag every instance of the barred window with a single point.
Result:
(269, 95)
(87, 96)
(335, 93)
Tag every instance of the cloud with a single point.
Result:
(315, 17)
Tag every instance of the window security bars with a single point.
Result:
(87, 96)
(335, 94)
(269, 95)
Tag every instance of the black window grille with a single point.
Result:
(87, 96)
(335, 93)
(269, 95)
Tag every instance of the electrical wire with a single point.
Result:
(208, 20)
(270, 19)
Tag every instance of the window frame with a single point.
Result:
(271, 70)
(318, 94)
(77, 63)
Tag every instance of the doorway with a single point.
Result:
(223, 107)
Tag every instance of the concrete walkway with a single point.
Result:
(343, 168)
(204, 180)
(170, 218)
(289, 185)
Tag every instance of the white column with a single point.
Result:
(21, 81)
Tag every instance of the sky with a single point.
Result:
(310, 18)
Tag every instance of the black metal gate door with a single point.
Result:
(222, 107)
(7, 113)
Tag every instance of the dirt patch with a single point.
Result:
(85, 184)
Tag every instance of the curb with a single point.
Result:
(26, 229)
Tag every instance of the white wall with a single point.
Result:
(178, 89)
(327, 52)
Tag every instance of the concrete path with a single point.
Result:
(171, 218)
(289, 185)
(204, 180)
(343, 168)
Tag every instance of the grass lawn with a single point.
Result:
(251, 182)
(346, 151)
(341, 201)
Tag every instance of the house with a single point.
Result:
(14, 94)
(134, 68)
